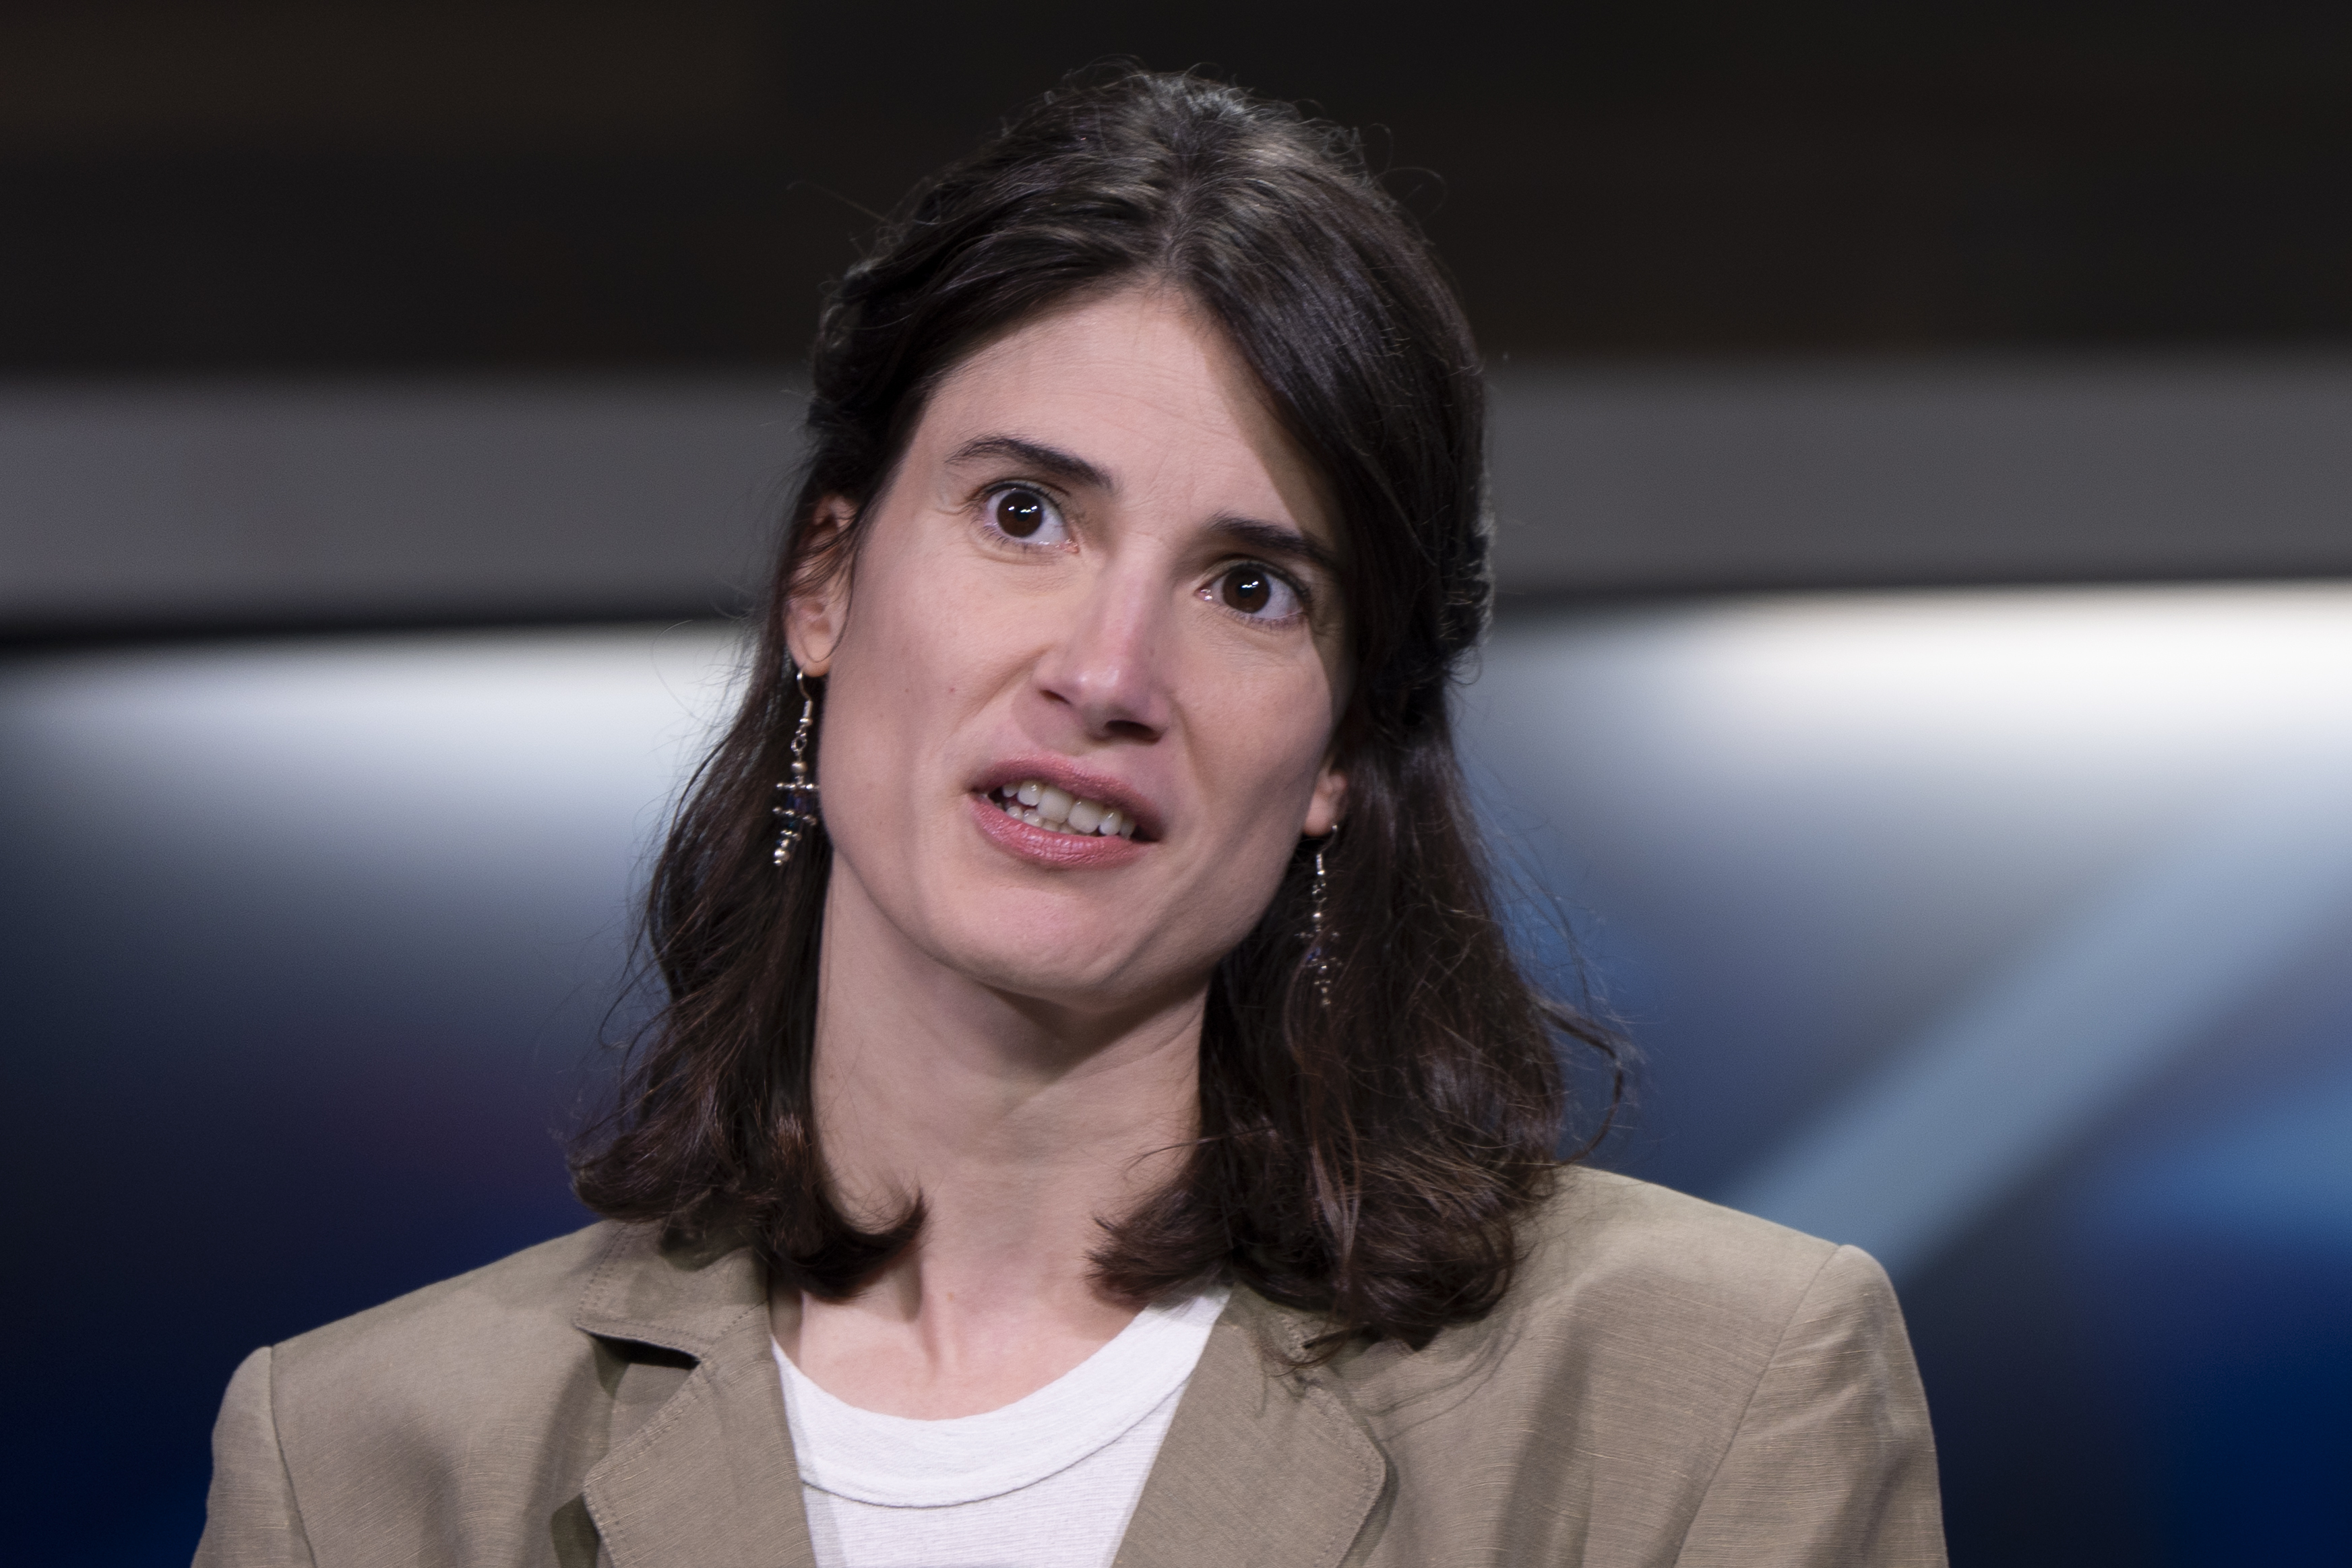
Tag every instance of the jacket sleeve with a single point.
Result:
(250, 1517)
(1834, 1464)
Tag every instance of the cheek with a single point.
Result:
(1259, 751)
(919, 644)
(1256, 804)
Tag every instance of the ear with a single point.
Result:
(1330, 802)
(817, 607)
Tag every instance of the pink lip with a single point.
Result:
(1074, 852)
(1068, 777)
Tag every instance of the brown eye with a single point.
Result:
(1257, 591)
(1020, 513)
(1249, 588)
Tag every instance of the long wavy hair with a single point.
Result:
(1367, 1146)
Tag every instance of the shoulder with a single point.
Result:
(483, 1338)
(1604, 1240)
(1679, 1381)
(1767, 1370)
(471, 1409)
(1648, 1269)
(486, 1311)
(1635, 1297)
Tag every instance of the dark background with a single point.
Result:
(268, 1073)
(208, 186)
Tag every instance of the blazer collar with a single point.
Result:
(710, 1480)
(681, 1296)
(1262, 1466)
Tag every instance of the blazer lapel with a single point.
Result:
(710, 1478)
(1262, 1469)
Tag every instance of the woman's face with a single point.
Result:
(1100, 581)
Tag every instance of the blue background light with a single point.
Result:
(1998, 932)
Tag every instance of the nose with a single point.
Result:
(1106, 670)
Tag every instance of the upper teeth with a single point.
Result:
(1042, 805)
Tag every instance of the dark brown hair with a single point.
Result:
(1369, 1157)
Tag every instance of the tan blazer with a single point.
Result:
(1667, 1383)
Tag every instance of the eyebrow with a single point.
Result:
(1066, 467)
(1273, 539)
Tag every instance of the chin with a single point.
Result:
(1094, 983)
(1086, 965)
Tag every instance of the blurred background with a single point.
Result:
(1924, 672)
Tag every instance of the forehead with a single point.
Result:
(1145, 387)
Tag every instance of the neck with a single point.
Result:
(1023, 1127)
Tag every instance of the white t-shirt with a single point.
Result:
(1048, 1481)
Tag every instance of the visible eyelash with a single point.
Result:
(1291, 579)
(986, 497)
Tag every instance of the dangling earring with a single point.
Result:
(798, 794)
(1319, 925)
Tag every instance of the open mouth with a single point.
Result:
(1056, 810)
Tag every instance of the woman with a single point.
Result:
(1097, 1112)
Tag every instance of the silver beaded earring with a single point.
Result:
(1319, 925)
(796, 795)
